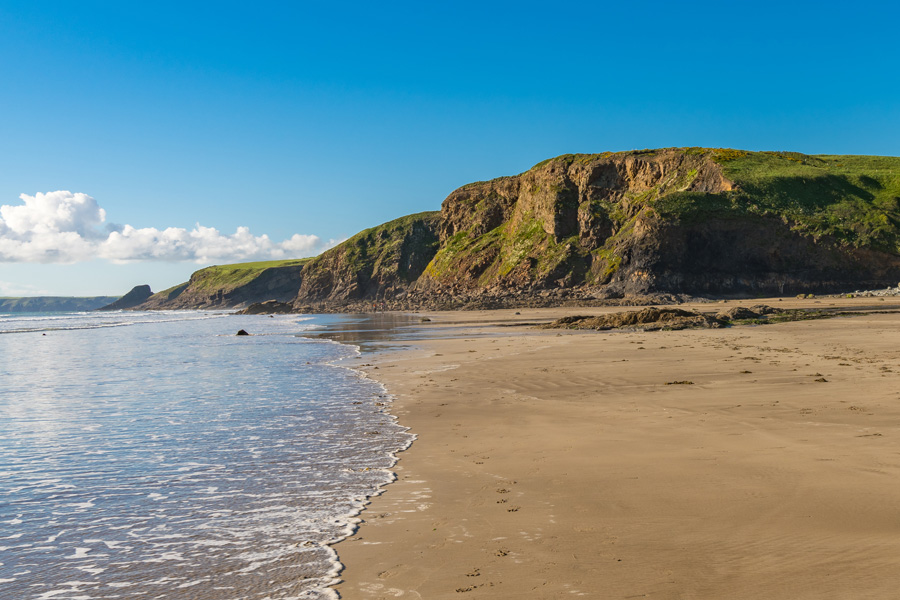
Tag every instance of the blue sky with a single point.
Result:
(296, 119)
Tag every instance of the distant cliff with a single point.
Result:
(626, 226)
(136, 296)
(228, 286)
(53, 304)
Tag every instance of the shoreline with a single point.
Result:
(553, 463)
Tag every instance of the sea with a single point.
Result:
(158, 455)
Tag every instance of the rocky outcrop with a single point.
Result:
(560, 224)
(640, 227)
(232, 286)
(647, 319)
(269, 307)
(378, 264)
(656, 319)
(688, 221)
(138, 295)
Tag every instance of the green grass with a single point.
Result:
(376, 250)
(497, 253)
(855, 199)
(229, 277)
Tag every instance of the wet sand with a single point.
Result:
(553, 464)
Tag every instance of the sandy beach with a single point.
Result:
(747, 462)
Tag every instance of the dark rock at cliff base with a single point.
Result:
(137, 295)
(269, 307)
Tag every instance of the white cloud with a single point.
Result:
(8, 288)
(62, 227)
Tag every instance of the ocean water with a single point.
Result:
(158, 455)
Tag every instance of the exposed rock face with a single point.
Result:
(136, 296)
(649, 226)
(374, 265)
(269, 307)
(647, 319)
(563, 223)
(737, 313)
(231, 286)
(755, 256)
(676, 221)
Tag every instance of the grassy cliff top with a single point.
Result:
(852, 198)
(376, 241)
(228, 277)
(396, 225)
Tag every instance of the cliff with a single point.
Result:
(136, 296)
(53, 303)
(229, 286)
(639, 226)
(688, 221)
(380, 263)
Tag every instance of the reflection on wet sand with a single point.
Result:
(370, 332)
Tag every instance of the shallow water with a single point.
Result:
(157, 455)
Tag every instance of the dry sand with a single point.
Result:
(555, 464)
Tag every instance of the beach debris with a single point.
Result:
(822, 380)
(685, 382)
(884, 292)
(241, 332)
